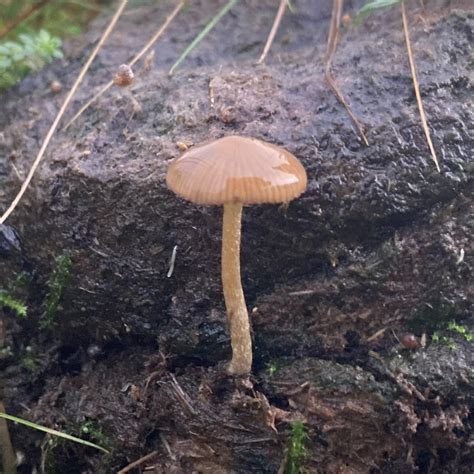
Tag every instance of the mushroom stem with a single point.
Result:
(241, 342)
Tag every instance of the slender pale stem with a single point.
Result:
(241, 341)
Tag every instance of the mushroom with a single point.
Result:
(235, 171)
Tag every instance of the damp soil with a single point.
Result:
(380, 245)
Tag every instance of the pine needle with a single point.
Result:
(144, 50)
(416, 86)
(203, 34)
(68, 99)
(330, 51)
(273, 31)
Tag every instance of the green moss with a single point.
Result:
(5, 353)
(92, 431)
(271, 368)
(438, 338)
(440, 320)
(56, 285)
(457, 328)
(12, 303)
(453, 329)
(433, 317)
(296, 449)
(13, 296)
(58, 450)
(29, 362)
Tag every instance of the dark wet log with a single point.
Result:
(380, 244)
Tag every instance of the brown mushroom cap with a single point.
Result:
(237, 170)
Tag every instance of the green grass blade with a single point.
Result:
(371, 7)
(52, 432)
(203, 34)
(291, 7)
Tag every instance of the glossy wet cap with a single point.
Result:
(237, 170)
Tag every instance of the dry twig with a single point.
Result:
(376, 335)
(182, 395)
(330, 50)
(143, 51)
(68, 99)
(137, 463)
(167, 447)
(273, 31)
(416, 86)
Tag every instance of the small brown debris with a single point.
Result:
(124, 76)
(148, 61)
(182, 146)
(227, 114)
(346, 20)
(409, 341)
(135, 393)
(56, 87)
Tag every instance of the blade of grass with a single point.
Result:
(60, 114)
(330, 51)
(50, 431)
(416, 86)
(203, 34)
(372, 7)
(291, 7)
(143, 51)
(273, 31)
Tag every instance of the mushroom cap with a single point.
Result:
(237, 170)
